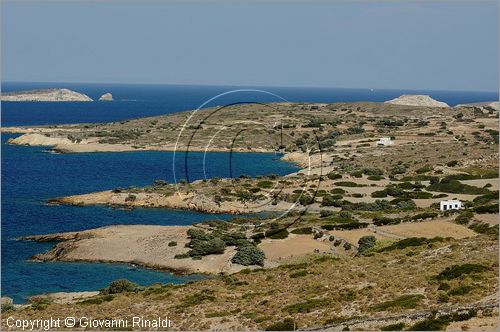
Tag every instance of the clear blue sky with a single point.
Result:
(412, 45)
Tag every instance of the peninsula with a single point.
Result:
(48, 95)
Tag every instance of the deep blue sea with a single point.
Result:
(30, 175)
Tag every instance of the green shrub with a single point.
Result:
(318, 235)
(345, 214)
(393, 327)
(182, 256)
(298, 274)
(97, 300)
(373, 171)
(460, 290)
(233, 238)
(306, 200)
(196, 299)
(381, 221)
(214, 246)
(40, 302)
(403, 302)
(334, 176)
(424, 215)
(375, 177)
(347, 184)
(287, 324)
(198, 234)
(365, 243)
(326, 213)
(265, 184)
(282, 234)
(6, 307)
(306, 306)
(345, 226)
(357, 174)
(424, 169)
(456, 187)
(484, 228)
(130, 198)
(452, 163)
(405, 185)
(440, 323)
(304, 230)
(490, 208)
(249, 255)
(172, 243)
(483, 199)
(378, 205)
(406, 204)
(410, 242)
(119, 286)
(456, 271)
(464, 217)
(329, 200)
(337, 191)
(418, 194)
(379, 194)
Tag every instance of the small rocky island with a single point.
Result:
(106, 97)
(51, 95)
(417, 100)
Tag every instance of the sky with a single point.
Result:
(446, 45)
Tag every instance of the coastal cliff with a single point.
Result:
(51, 95)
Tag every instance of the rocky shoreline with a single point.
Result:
(153, 247)
(147, 246)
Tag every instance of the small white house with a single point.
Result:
(385, 141)
(451, 204)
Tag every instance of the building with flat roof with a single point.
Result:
(451, 204)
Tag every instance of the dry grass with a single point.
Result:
(332, 290)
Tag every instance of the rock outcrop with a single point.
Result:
(416, 100)
(53, 95)
(106, 97)
(495, 105)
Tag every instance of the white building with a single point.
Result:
(451, 204)
(385, 141)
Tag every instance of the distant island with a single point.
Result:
(417, 100)
(52, 95)
(106, 97)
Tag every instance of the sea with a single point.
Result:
(31, 175)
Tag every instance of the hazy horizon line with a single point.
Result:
(249, 86)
